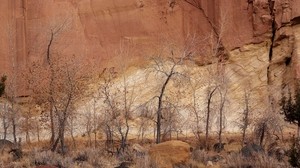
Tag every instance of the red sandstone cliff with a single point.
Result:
(95, 29)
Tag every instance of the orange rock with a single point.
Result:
(170, 153)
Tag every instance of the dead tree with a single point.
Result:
(118, 102)
(168, 69)
(246, 114)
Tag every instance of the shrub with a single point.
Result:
(2, 85)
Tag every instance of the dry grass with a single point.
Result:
(236, 160)
(36, 154)
(87, 156)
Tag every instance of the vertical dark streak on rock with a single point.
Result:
(271, 7)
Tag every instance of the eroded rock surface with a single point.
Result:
(96, 28)
(260, 37)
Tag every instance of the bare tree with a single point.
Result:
(94, 118)
(54, 32)
(57, 87)
(211, 91)
(56, 79)
(88, 125)
(91, 119)
(27, 123)
(12, 86)
(194, 106)
(46, 46)
(118, 101)
(147, 118)
(246, 115)
(14, 110)
(168, 68)
(67, 88)
(4, 113)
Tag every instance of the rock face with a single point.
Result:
(261, 37)
(95, 29)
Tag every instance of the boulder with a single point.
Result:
(277, 152)
(250, 149)
(218, 147)
(170, 153)
(7, 146)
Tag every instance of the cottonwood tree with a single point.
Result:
(58, 87)
(147, 118)
(217, 83)
(14, 110)
(27, 123)
(196, 114)
(4, 114)
(246, 115)
(118, 110)
(56, 79)
(215, 59)
(72, 123)
(87, 116)
(196, 85)
(216, 93)
(168, 68)
(211, 89)
(67, 88)
(12, 86)
(46, 46)
(223, 90)
(172, 118)
(91, 119)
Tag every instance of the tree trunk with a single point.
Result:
(14, 130)
(38, 132)
(51, 87)
(52, 124)
(5, 127)
(207, 124)
(62, 140)
(159, 110)
(208, 117)
(54, 146)
(158, 125)
(5, 133)
(73, 138)
(262, 136)
(221, 124)
(27, 136)
(95, 139)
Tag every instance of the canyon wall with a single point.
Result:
(97, 30)
(261, 39)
